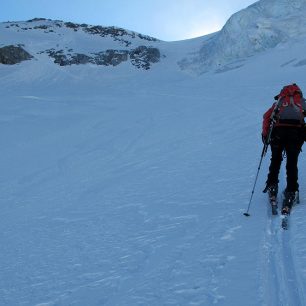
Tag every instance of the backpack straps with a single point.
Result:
(291, 101)
(276, 109)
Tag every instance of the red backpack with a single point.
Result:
(287, 111)
(289, 107)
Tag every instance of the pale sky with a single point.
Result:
(164, 19)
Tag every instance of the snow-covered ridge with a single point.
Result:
(261, 26)
(69, 43)
(50, 26)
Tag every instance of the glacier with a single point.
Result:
(262, 26)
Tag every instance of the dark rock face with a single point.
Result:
(142, 57)
(111, 57)
(37, 19)
(115, 32)
(78, 59)
(72, 25)
(42, 27)
(59, 56)
(10, 55)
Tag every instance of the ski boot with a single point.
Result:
(272, 190)
(272, 193)
(289, 200)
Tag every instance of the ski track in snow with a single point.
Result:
(282, 282)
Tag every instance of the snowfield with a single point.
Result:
(122, 186)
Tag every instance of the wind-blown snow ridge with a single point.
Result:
(259, 27)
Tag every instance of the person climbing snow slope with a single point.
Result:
(287, 138)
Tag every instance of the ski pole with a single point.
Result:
(263, 153)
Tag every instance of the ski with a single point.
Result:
(285, 222)
(273, 204)
(274, 210)
(290, 203)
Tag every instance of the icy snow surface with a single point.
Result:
(127, 187)
(261, 26)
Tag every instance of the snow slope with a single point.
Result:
(127, 187)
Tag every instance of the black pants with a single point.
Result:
(288, 140)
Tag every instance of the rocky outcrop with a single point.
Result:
(111, 57)
(142, 57)
(115, 32)
(63, 59)
(10, 55)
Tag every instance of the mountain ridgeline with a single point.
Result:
(68, 43)
(263, 25)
